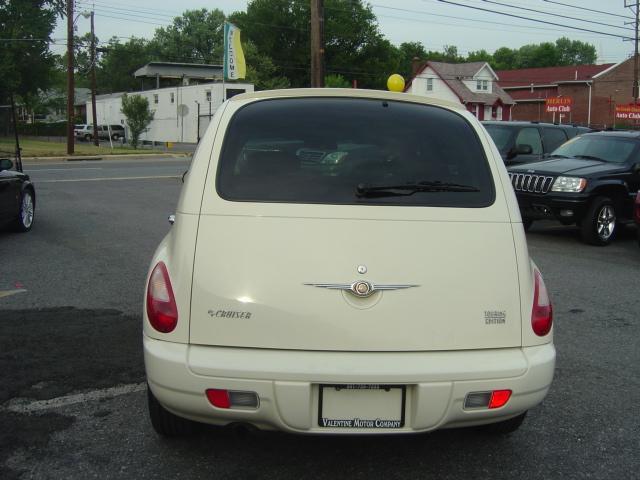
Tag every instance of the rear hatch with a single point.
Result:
(250, 285)
(292, 218)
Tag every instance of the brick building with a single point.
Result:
(595, 90)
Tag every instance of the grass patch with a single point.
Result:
(43, 148)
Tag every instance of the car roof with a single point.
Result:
(344, 93)
(620, 134)
(528, 124)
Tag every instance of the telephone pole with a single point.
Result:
(317, 43)
(634, 4)
(635, 61)
(96, 141)
(70, 83)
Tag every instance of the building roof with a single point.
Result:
(524, 77)
(179, 70)
(454, 74)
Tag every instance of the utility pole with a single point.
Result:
(70, 83)
(96, 141)
(635, 61)
(634, 4)
(317, 43)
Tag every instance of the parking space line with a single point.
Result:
(108, 179)
(8, 293)
(64, 169)
(23, 405)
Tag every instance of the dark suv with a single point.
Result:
(591, 180)
(523, 142)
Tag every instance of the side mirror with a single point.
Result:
(524, 149)
(636, 168)
(5, 164)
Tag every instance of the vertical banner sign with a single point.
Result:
(234, 66)
(558, 104)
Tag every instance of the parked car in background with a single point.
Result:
(591, 181)
(523, 142)
(319, 277)
(17, 197)
(85, 132)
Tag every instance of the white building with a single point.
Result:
(175, 109)
(474, 84)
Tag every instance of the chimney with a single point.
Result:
(415, 65)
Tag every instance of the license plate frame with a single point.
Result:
(362, 424)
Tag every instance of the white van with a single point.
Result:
(345, 261)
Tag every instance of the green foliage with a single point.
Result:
(336, 81)
(196, 36)
(354, 46)
(407, 52)
(136, 109)
(261, 71)
(118, 63)
(25, 65)
(42, 129)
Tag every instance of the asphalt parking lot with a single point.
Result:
(72, 399)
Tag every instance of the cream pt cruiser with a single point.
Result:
(345, 261)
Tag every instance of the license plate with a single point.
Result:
(361, 406)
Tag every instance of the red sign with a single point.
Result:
(628, 112)
(558, 104)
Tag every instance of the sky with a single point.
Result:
(434, 23)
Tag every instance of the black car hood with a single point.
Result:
(567, 166)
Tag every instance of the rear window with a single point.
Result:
(353, 151)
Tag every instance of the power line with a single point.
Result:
(532, 19)
(580, 7)
(554, 14)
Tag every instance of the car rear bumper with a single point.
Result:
(287, 383)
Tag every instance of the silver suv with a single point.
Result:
(85, 131)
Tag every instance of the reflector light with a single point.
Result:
(542, 312)
(244, 399)
(218, 398)
(499, 398)
(161, 303)
(477, 400)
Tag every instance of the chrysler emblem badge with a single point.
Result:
(361, 288)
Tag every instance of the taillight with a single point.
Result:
(542, 312)
(161, 304)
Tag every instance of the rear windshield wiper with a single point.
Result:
(556, 155)
(589, 157)
(366, 190)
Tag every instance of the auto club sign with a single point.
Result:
(628, 112)
(558, 104)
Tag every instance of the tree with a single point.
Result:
(118, 63)
(407, 52)
(25, 59)
(139, 116)
(575, 52)
(354, 46)
(197, 36)
(336, 81)
(261, 71)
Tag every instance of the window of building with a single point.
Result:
(155, 98)
(173, 97)
(482, 85)
(208, 95)
(429, 84)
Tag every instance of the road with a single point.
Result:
(72, 400)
